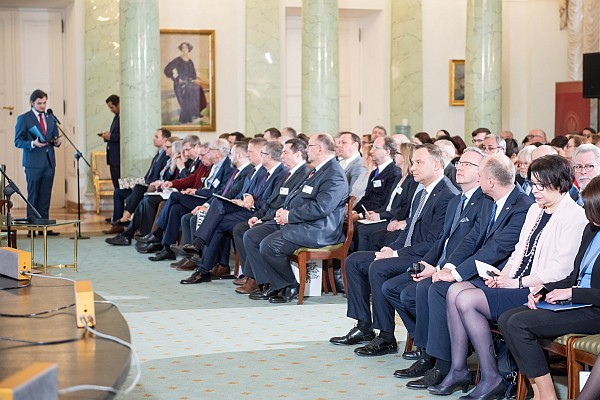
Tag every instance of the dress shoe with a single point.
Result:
(286, 295)
(355, 336)
(445, 390)
(118, 240)
(496, 392)
(240, 281)
(190, 248)
(412, 355)
(180, 251)
(250, 287)
(114, 229)
(418, 368)
(146, 248)
(433, 377)
(178, 263)
(149, 238)
(163, 255)
(264, 295)
(188, 265)
(377, 347)
(220, 271)
(48, 233)
(196, 277)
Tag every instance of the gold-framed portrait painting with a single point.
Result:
(457, 82)
(187, 84)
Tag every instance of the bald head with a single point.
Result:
(537, 136)
(542, 151)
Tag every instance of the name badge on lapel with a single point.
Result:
(377, 183)
(216, 183)
(307, 189)
(284, 191)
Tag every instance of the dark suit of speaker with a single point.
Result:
(113, 151)
(365, 276)
(39, 162)
(494, 246)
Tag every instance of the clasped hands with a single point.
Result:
(281, 216)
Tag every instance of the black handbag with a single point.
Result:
(507, 367)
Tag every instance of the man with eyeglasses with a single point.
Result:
(478, 135)
(586, 162)
(493, 144)
(536, 136)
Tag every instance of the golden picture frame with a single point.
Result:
(187, 83)
(457, 82)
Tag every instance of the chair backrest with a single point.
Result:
(350, 223)
(100, 168)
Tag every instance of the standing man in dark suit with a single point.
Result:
(37, 135)
(312, 216)
(113, 141)
(366, 271)
(494, 236)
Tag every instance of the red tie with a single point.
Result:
(42, 124)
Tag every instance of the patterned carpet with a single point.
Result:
(206, 341)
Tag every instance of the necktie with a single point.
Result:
(457, 213)
(42, 124)
(287, 177)
(312, 172)
(414, 218)
(235, 172)
(492, 218)
(376, 173)
(526, 187)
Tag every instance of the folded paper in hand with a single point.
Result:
(483, 268)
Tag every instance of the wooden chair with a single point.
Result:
(103, 185)
(582, 351)
(328, 253)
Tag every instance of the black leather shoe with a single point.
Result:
(412, 355)
(445, 390)
(118, 240)
(433, 377)
(149, 238)
(285, 295)
(355, 336)
(190, 248)
(146, 248)
(377, 347)
(163, 255)
(495, 393)
(418, 368)
(196, 277)
(264, 295)
(182, 250)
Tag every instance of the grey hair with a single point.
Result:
(587, 148)
(475, 150)
(499, 141)
(501, 168)
(222, 146)
(447, 147)
(274, 149)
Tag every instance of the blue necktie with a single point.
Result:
(492, 218)
(457, 214)
(414, 218)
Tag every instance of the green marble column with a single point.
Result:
(483, 66)
(140, 83)
(263, 66)
(320, 65)
(406, 65)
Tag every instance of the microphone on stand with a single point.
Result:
(50, 112)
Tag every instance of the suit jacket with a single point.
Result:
(495, 246)
(455, 237)
(557, 244)
(401, 205)
(316, 208)
(377, 196)
(277, 199)
(27, 130)
(113, 145)
(450, 172)
(262, 194)
(191, 180)
(158, 163)
(219, 181)
(191, 167)
(238, 183)
(582, 295)
(353, 171)
(430, 222)
(252, 181)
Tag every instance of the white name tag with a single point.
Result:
(307, 189)
(377, 183)
(399, 190)
(284, 191)
(216, 183)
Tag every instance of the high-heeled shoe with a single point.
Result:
(444, 390)
(496, 392)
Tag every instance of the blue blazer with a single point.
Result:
(28, 128)
(251, 181)
(494, 247)
(262, 194)
(113, 145)
(267, 211)
(430, 222)
(377, 197)
(156, 166)
(223, 175)
(468, 217)
(316, 208)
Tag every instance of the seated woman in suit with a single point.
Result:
(544, 253)
(523, 326)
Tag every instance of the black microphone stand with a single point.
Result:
(78, 156)
(8, 191)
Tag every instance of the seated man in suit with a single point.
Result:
(294, 158)
(586, 166)
(494, 236)
(222, 216)
(179, 203)
(366, 271)
(189, 222)
(381, 180)
(347, 149)
(311, 216)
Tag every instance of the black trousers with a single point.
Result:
(522, 327)
(115, 174)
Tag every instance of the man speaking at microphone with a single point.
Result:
(37, 134)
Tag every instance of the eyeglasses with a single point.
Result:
(465, 164)
(264, 154)
(537, 185)
(523, 164)
(314, 145)
(476, 141)
(488, 148)
(376, 147)
(582, 167)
